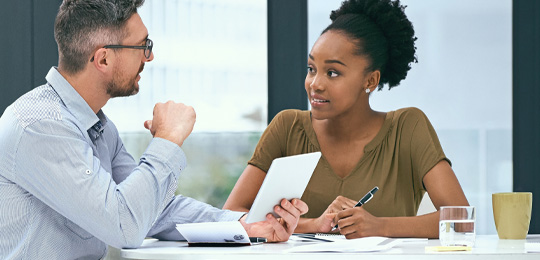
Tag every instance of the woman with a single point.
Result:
(370, 43)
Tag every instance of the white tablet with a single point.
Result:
(287, 178)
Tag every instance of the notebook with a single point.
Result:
(230, 233)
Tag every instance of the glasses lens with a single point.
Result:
(148, 50)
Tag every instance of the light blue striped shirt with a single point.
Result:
(68, 187)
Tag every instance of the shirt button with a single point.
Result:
(88, 172)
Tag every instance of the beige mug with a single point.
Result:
(512, 214)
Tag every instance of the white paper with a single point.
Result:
(366, 244)
(532, 247)
(214, 232)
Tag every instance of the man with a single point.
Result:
(68, 188)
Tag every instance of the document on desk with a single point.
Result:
(365, 244)
(532, 247)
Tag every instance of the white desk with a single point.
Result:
(487, 247)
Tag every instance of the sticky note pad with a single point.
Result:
(447, 248)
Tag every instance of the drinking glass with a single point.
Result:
(456, 226)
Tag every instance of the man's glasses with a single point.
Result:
(147, 48)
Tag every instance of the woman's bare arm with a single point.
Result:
(245, 190)
(444, 190)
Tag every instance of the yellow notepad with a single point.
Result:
(447, 248)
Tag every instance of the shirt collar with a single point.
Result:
(74, 102)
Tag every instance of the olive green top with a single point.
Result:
(396, 160)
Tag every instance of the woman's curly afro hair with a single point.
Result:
(382, 33)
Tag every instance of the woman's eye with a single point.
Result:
(310, 70)
(333, 74)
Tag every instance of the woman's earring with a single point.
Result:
(368, 90)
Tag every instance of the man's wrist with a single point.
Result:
(168, 137)
(242, 220)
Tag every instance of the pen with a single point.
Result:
(312, 237)
(363, 200)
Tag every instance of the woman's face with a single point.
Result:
(336, 81)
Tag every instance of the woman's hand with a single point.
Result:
(357, 222)
(278, 230)
(327, 220)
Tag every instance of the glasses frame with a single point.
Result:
(147, 48)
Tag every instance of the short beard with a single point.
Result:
(114, 89)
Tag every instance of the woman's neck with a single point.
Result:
(360, 125)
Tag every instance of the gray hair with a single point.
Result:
(82, 26)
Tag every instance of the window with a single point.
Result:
(463, 82)
(209, 54)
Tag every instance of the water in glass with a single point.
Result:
(457, 232)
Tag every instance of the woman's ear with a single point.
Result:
(373, 80)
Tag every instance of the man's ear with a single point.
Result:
(102, 59)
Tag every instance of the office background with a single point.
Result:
(239, 62)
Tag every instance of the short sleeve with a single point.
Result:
(426, 150)
(273, 141)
